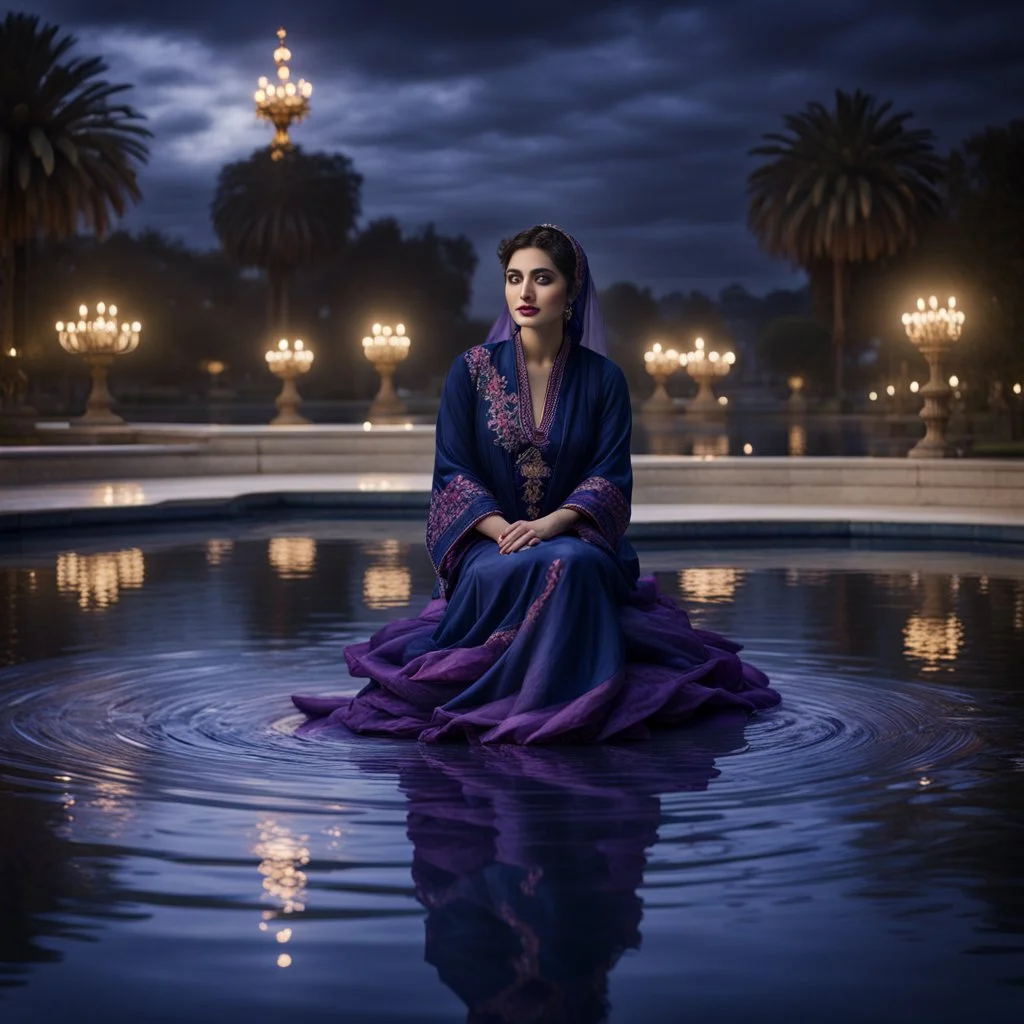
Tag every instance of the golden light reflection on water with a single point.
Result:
(934, 634)
(282, 858)
(387, 583)
(1018, 608)
(292, 558)
(218, 551)
(797, 439)
(933, 641)
(98, 579)
(710, 585)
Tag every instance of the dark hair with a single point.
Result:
(551, 241)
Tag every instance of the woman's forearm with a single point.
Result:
(563, 518)
(492, 526)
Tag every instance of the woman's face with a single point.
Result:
(535, 290)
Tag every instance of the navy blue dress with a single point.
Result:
(559, 642)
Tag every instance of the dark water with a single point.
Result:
(171, 851)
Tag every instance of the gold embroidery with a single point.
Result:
(534, 471)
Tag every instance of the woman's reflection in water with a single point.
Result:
(528, 861)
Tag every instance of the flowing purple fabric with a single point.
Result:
(586, 326)
(562, 642)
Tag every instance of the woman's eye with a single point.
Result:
(543, 279)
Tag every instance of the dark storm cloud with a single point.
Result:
(629, 123)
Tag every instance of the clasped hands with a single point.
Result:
(526, 533)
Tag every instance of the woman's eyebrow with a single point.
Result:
(538, 270)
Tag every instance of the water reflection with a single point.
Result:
(528, 864)
(43, 885)
(218, 552)
(934, 634)
(292, 558)
(283, 856)
(98, 579)
(387, 582)
(710, 584)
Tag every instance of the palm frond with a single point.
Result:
(71, 154)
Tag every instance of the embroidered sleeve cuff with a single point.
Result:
(603, 504)
(455, 511)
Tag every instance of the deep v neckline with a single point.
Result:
(537, 433)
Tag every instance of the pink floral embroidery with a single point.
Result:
(600, 500)
(503, 406)
(503, 637)
(554, 574)
(539, 435)
(534, 471)
(446, 506)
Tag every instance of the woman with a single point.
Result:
(540, 630)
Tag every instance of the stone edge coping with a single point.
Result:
(206, 431)
(669, 522)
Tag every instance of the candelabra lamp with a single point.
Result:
(289, 361)
(934, 329)
(99, 341)
(660, 363)
(386, 348)
(284, 102)
(704, 367)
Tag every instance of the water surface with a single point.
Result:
(170, 849)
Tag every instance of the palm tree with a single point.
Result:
(68, 153)
(841, 187)
(282, 214)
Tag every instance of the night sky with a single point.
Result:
(627, 123)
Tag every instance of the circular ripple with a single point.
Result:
(218, 726)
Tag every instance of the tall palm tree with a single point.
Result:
(282, 214)
(841, 187)
(68, 151)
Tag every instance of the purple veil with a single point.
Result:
(586, 325)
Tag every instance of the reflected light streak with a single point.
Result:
(933, 640)
(388, 582)
(710, 585)
(282, 857)
(292, 558)
(99, 579)
(218, 551)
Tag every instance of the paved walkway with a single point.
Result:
(68, 505)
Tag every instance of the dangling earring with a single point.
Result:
(568, 313)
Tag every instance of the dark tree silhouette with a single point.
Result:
(843, 186)
(282, 214)
(69, 150)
